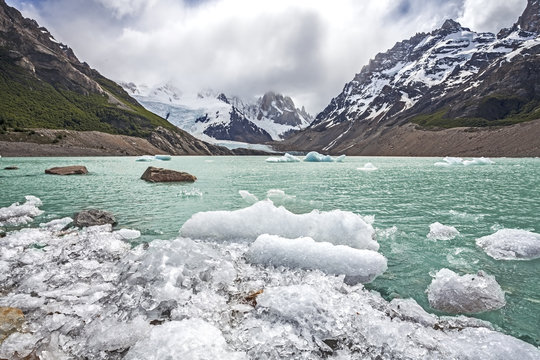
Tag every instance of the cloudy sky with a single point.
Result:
(304, 48)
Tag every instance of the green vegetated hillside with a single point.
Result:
(29, 102)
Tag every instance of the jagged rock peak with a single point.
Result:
(530, 19)
(451, 25)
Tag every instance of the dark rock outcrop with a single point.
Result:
(93, 217)
(154, 174)
(238, 129)
(68, 170)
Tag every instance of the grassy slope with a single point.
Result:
(27, 102)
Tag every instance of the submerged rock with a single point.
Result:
(154, 174)
(11, 168)
(466, 294)
(93, 217)
(68, 170)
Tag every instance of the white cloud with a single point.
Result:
(307, 49)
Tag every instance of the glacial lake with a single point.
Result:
(404, 195)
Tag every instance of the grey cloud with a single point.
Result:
(306, 49)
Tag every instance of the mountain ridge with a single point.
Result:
(450, 77)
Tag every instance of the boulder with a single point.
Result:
(11, 320)
(67, 170)
(93, 217)
(11, 168)
(154, 174)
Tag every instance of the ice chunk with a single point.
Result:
(470, 293)
(192, 192)
(511, 244)
(145, 158)
(17, 214)
(408, 309)
(314, 156)
(438, 231)
(128, 234)
(478, 161)
(304, 253)
(279, 195)
(452, 161)
(186, 339)
(18, 346)
(163, 157)
(248, 197)
(57, 224)
(112, 335)
(287, 158)
(367, 167)
(245, 225)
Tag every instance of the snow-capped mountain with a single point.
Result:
(450, 77)
(215, 116)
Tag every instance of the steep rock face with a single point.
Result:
(211, 116)
(447, 78)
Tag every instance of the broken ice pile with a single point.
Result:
(18, 214)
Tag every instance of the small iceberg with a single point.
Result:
(438, 231)
(358, 265)
(367, 167)
(511, 244)
(467, 294)
(163, 157)
(314, 156)
(478, 161)
(145, 158)
(287, 158)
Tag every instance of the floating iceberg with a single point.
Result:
(145, 158)
(438, 231)
(511, 244)
(245, 225)
(287, 158)
(304, 253)
(314, 156)
(465, 294)
(17, 214)
(478, 161)
(452, 161)
(367, 167)
(162, 157)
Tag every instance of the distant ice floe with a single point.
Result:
(17, 214)
(438, 231)
(453, 161)
(367, 167)
(245, 225)
(287, 158)
(86, 293)
(358, 265)
(152, 158)
(191, 192)
(467, 294)
(314, 156)
(511, 244)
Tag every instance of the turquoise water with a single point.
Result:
(405, 195)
